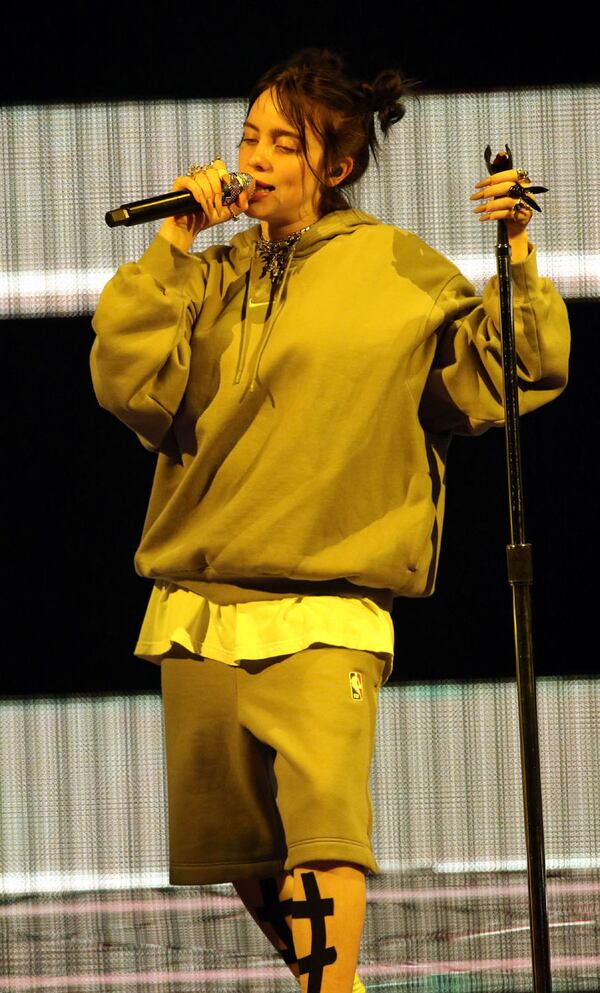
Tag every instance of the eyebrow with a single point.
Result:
(274, 132)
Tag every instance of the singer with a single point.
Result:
(300, 384)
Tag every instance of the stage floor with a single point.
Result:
(425, 932)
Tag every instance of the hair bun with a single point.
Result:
(384, 97)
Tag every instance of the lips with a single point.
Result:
(261, 190)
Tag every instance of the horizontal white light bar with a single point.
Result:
(64, 166)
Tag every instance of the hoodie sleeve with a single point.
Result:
(143, 324)
(463, 393)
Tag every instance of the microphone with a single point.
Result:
(174, 204)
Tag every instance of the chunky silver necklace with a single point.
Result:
(275, 254)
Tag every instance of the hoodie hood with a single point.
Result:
(263, 297)
(338, 222)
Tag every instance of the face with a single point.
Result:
(270, 151)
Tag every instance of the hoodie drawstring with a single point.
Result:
(275, 295)
(245, 336)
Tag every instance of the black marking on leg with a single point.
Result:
(316, 909)
(274, 912)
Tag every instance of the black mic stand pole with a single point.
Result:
(520, 578)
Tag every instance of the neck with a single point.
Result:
(273, 232)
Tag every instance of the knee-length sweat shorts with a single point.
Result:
(268, 762)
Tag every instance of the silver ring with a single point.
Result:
(194, 169)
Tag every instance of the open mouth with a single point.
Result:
(261, 191)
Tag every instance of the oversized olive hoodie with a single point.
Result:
(305, 452)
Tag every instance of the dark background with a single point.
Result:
(123, 50)
(77, 481)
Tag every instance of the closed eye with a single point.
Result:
(252, 141)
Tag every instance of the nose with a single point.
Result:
(258, 157)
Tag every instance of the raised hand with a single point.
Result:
(205, 186)
(507, 196)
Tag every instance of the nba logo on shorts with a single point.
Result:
(356, 685)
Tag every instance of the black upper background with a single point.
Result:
(78, 52)
(77, 481)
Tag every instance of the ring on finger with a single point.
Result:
(519, 208)
(516, 191)
(523, 175)
(195, 169)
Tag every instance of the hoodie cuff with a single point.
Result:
(525, 273)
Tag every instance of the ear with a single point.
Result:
(341, 171)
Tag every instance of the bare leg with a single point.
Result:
(328, 917)
(315, 915)
(260, 898)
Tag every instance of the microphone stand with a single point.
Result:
(520, 578)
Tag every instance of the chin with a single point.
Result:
(258, 210)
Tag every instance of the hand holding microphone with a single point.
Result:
(205, 185)
(212, 188)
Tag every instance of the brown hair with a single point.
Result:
(312, 87)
